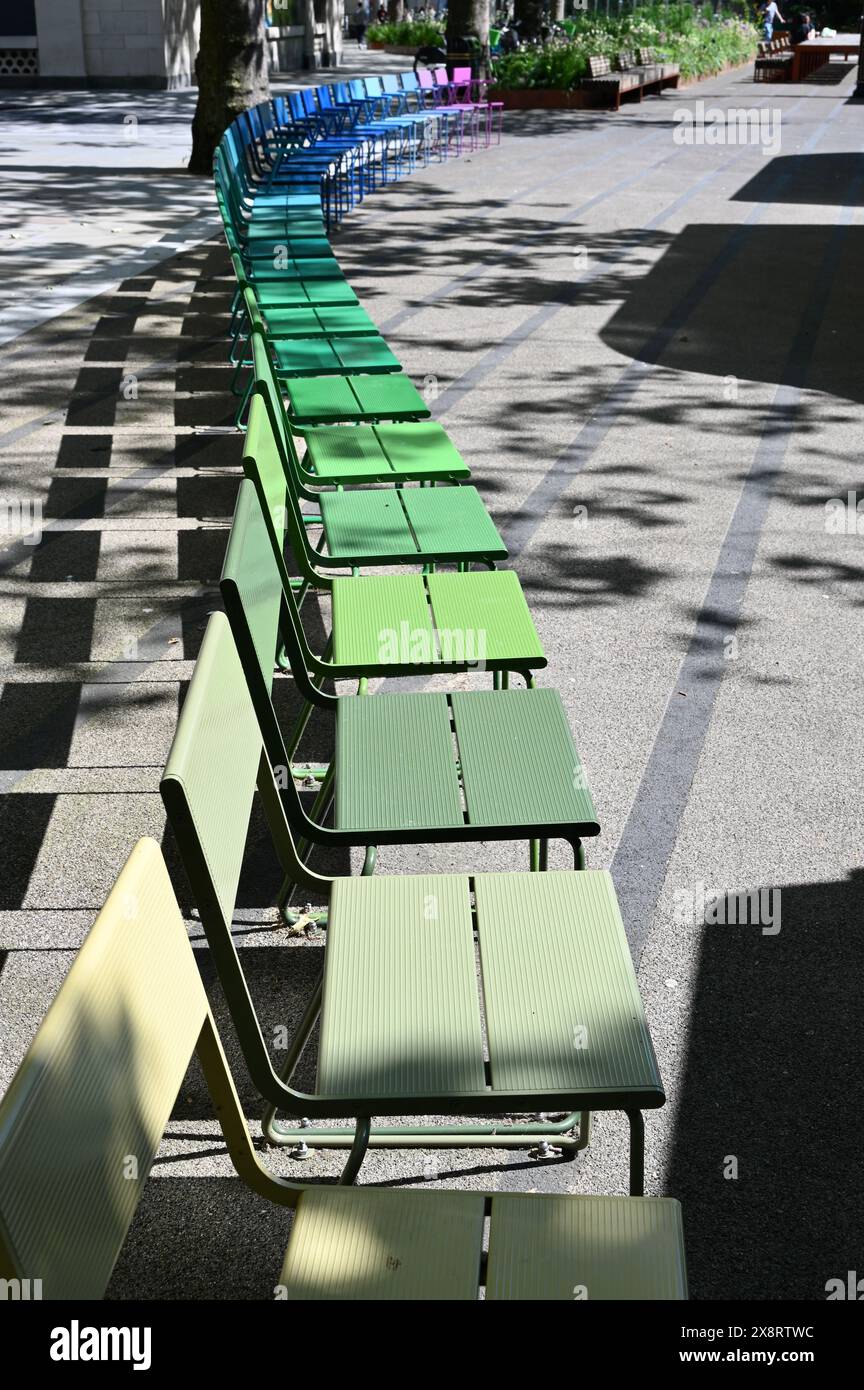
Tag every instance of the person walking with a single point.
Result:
(770, 16)
(361, 22)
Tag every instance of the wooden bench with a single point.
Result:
(669, 73)
(629, 76)
(773, 61)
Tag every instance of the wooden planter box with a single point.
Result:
(402, 50)
(538, 98)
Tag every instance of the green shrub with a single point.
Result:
(406, 34)
(701, 44)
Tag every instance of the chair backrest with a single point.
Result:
(424, 77)
(216, 762)
(295, 106)
(85, 1112)
(309, 104)
(598, 66)
(411, 81)
(271, 440)
(84, 1115)
(462, 84)
(441, 76)
(390, 83)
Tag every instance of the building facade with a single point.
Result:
(144, 43)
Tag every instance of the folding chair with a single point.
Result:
(96, 1090)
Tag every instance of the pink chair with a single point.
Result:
(447, 97)
(468, 88)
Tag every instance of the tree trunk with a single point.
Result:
(395, 11)
(231, 70)
(310, 58)
(468, 18)
(529, 14)
(558, 10)
(333, 14)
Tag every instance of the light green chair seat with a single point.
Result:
(329, 321)
(370, 525)
(409, 616)
(407, 452)
(396, 766)
(319, 355)
(376, 1245)
(401, 1003)
(282, 293)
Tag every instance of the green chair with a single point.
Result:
(384, 453)
(384, 624)
(83, 1118)
(345, 400)
(399, 997)
(302, 346)
(371, 526)
(418, 768)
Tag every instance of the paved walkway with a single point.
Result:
(649, 353)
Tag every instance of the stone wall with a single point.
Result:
(103, 43)
(123, 38)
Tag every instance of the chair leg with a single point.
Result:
(637, 1153)
(357, 1154)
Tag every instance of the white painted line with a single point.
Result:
(93, 282)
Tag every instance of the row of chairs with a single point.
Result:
(490, 997)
